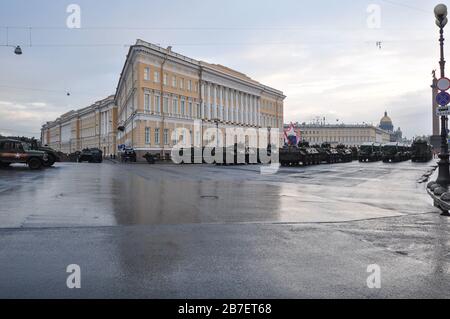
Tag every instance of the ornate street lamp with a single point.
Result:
(440, 11)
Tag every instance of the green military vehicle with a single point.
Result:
(346, 154)
(15, 151)
(328, 154)
(421, 151)
(52, 155)
(370, 152)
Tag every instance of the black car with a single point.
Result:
(91, 155)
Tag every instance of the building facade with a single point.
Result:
(161, 95)
(94, 126)
(161, 99)
(349, 135)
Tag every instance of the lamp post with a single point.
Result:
(440, 11)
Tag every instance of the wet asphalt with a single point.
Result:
(204, 231)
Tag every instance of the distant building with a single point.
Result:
(346, 134)
(387, 125)
(89, 127)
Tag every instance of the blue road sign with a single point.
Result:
(443, 98)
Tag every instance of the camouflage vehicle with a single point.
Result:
(291, 155)
(52, 155)
(91, 155)
(15, 151)
(370, 152)
(327, 154)
(421, 151)
(312, 155)
(301, 154)
(345, 154)
(393, 152)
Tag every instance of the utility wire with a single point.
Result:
(408, 6)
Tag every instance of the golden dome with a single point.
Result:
(386, 119)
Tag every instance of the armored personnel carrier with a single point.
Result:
(311, 155)
(345, 154)
(421, 151)
(328, 154)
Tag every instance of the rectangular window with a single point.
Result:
(166, 136)
(157, 136)
(199, 111)
(175, 106)
(165, 104)
(147, 135)
(147, 101)
(189, 84)
(190, 109)
(183, 110)
(157, 104)
(147, 74)
(175, 137)
(165, 79)
(182, 84)
(174, 81)
(156, 76)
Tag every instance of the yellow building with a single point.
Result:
(161, 92)
(92, 126)
(350, 135)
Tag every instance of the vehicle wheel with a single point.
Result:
(50, 161)
(35, 164)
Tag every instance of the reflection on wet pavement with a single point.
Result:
(113, 194)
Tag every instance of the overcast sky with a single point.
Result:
(322, 54)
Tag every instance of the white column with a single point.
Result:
(233, 106)
(253, 110)
(202, 105)
(208, 102)
(214, 103)
(244, 107)
(227, 107)
(247, 109)
(237, 108)
(241, 108)
(259, 111)
(221, 103)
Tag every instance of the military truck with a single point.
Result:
(370, 152)
(392, 152)
(421, 151)
(15, 151)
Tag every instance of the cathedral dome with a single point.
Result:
(386, 119)
(386, 123)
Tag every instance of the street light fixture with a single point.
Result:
(440, 11)
(18, 50)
